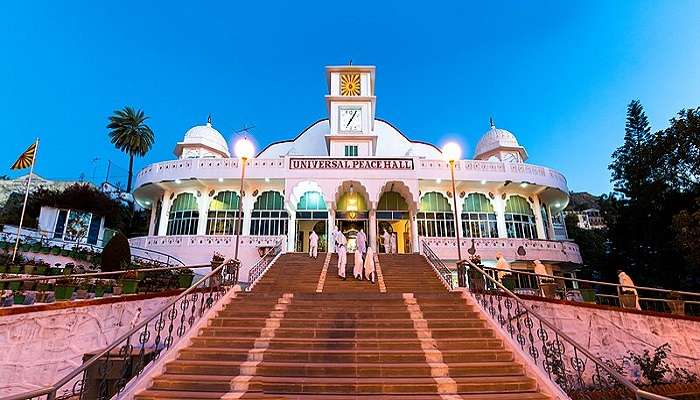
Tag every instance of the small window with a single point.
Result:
(350, 151)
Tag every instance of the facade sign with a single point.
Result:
(351, 163)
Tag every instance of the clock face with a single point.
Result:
(350, 119)
(350, 84)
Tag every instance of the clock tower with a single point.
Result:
(351, 104)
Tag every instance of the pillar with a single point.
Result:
(373, 229)
(539, 222)
(248, 203)
(152, 219)
(550, 224)
(499, 207)
(203, 208)
(291, 231)
(415, 240)
(164, 211)
(329, 228)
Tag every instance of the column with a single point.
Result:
(539, 223)
(164, 211)
(291, 231)
(550, 224)
(415, 240)
(248, 203)
(499, 207)
(203, 206)
(329, 228)
(373, 229)
(152, 219)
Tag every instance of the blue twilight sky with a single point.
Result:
(558, 74)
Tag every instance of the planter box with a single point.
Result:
(40, 269)
(14, 269)
(29, 269)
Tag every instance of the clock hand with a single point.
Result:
(351, 118)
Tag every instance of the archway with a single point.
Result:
(352, 211)
(393, 217)
(311, 215)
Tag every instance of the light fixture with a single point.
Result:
(557, 205)
(483, 181)
(523, 185)
(244, 148)
(451, 152)
(438, 181)
(178, 181)
(221, 179)
(148, 203)
(267, 180)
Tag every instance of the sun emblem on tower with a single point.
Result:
(350, 84)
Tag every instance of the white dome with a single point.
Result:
(497, 139)
(204, 136)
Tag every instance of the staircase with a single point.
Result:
(284, 340)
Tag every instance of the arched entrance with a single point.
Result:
(311, 215)
(352, 214)
(393, 216)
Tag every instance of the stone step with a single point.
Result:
(183, 395)
(352, 332)
(405, 323)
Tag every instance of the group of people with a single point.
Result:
(389, 242)
(364, 255)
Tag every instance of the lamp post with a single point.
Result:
(244, 150)
(452, 152)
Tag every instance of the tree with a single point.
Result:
(130, 134)
(630, 167)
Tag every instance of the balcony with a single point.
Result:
(511, 249)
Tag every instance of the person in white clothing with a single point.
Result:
(387, 242)
(362, 243)
(370, 271)
(357, 266)
(334, 234)
(394, 249)
(313, 245)
(341, 248)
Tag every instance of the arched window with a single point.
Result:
(312, 206)
(392, 206)
(223, 214)
(269, 217)
(435, 217)
(478, 217)
(520, 219)
(184, 215)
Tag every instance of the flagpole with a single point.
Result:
(26, 196)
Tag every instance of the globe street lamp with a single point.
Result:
(451, 152)
(244, 150)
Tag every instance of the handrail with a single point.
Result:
(258, 270)
(570, 375)
(438, 266)
(191, 301)
(64, 244)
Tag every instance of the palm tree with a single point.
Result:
(130, 134)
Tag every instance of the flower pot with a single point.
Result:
(67, 270)
(628, 300)
(508, 282)
(14, 285)
(129, 286)
(677, 307)
(19, 299)
(29, 269)
(64, 293)
(476, 281)
(116, 290)
(99, 291)
(82, 293)
(40, 269)
(588, 295)
(184, 281)
(14, 269)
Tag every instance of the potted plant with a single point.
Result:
(216, 260)
(29, 267)
(68, 269)
(41, 268)
(588, 293)
(18, 297)
(116, 289)
(675, 303)
(14, 285)
(14, 269)
(64, 288)
(100, 287)
(83, 286)
(55, 250)
(129, 281)
(184, 278)
(628, 299)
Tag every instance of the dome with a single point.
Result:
(205, 138)
(496, 139)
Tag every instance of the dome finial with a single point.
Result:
(209, 120)
(493, 124)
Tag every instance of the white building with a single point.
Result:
(590, 218)
(355, 171)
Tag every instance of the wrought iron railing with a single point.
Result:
(440, 268)
(575, 370)
(107, 372)
(258, 270)
(611, 294)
